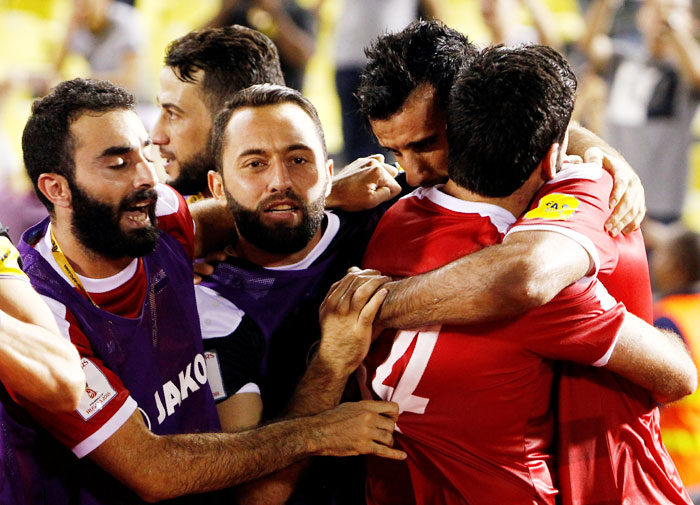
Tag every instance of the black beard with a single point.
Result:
(192, 178)
(278, 239)
(96, 225)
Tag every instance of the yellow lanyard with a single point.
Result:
(68, 269)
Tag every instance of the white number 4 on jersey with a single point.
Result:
(402, 391)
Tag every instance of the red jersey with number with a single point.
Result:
(610, 448)
(474, 401)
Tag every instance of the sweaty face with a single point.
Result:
(112, 196)
(417, 137)
(275, 177)
(182, 132)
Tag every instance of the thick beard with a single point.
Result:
(192, 178)
(279, 239)
(96, 225)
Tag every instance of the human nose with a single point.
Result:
(279, 180)
(145, 173)
(412, 167)
(158, 133)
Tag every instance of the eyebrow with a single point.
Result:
(169, 105)
(293, 147)
(424, 142)
(119, 150)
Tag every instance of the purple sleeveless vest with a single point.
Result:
(158, 356)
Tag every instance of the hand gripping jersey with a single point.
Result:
(153, 361)
(610, 448)
(474, 401)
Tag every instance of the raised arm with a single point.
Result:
(657, 360)
(364, 184)
(525, 271)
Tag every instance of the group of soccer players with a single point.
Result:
(516, 375)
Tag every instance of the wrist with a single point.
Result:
(326, 364)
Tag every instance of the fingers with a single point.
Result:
(370, 309)
(387, 452)
(353, 291)
(593, 155)
(627, 199)
(215, 256)
(387, 409)
(386, 188)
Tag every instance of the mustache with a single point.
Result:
(138, 196)
(288, 195)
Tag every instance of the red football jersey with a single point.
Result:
(609, 441)
(475, 414)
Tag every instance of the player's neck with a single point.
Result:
(84, 261)
(516, 203)
(254, 254)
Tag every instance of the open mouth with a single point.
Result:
(139, 214)
(282, 207)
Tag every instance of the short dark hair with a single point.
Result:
(260, 95)
(423, 52)
(507, 107)
(47, 143)
(232, 58)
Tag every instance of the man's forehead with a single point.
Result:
(114, 127)
(286, 123)
(174, 90)
(419, 116)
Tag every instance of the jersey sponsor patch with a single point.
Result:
(98, 391)
(554, 207)
(216, 382)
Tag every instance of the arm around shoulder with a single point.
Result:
(526, 271)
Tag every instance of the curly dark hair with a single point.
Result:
(47, 143)
(233, 58)
(506, 108)
(423, 52)
(260, 95)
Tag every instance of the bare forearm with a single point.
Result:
(206, 461)
(653, 359)
(321, 388)
(214, 226)
(581, 139)
(40, 365)
(499, 281)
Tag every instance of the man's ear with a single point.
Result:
(56, 190)
(548, 166)
(216, 185)
(329, 168)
